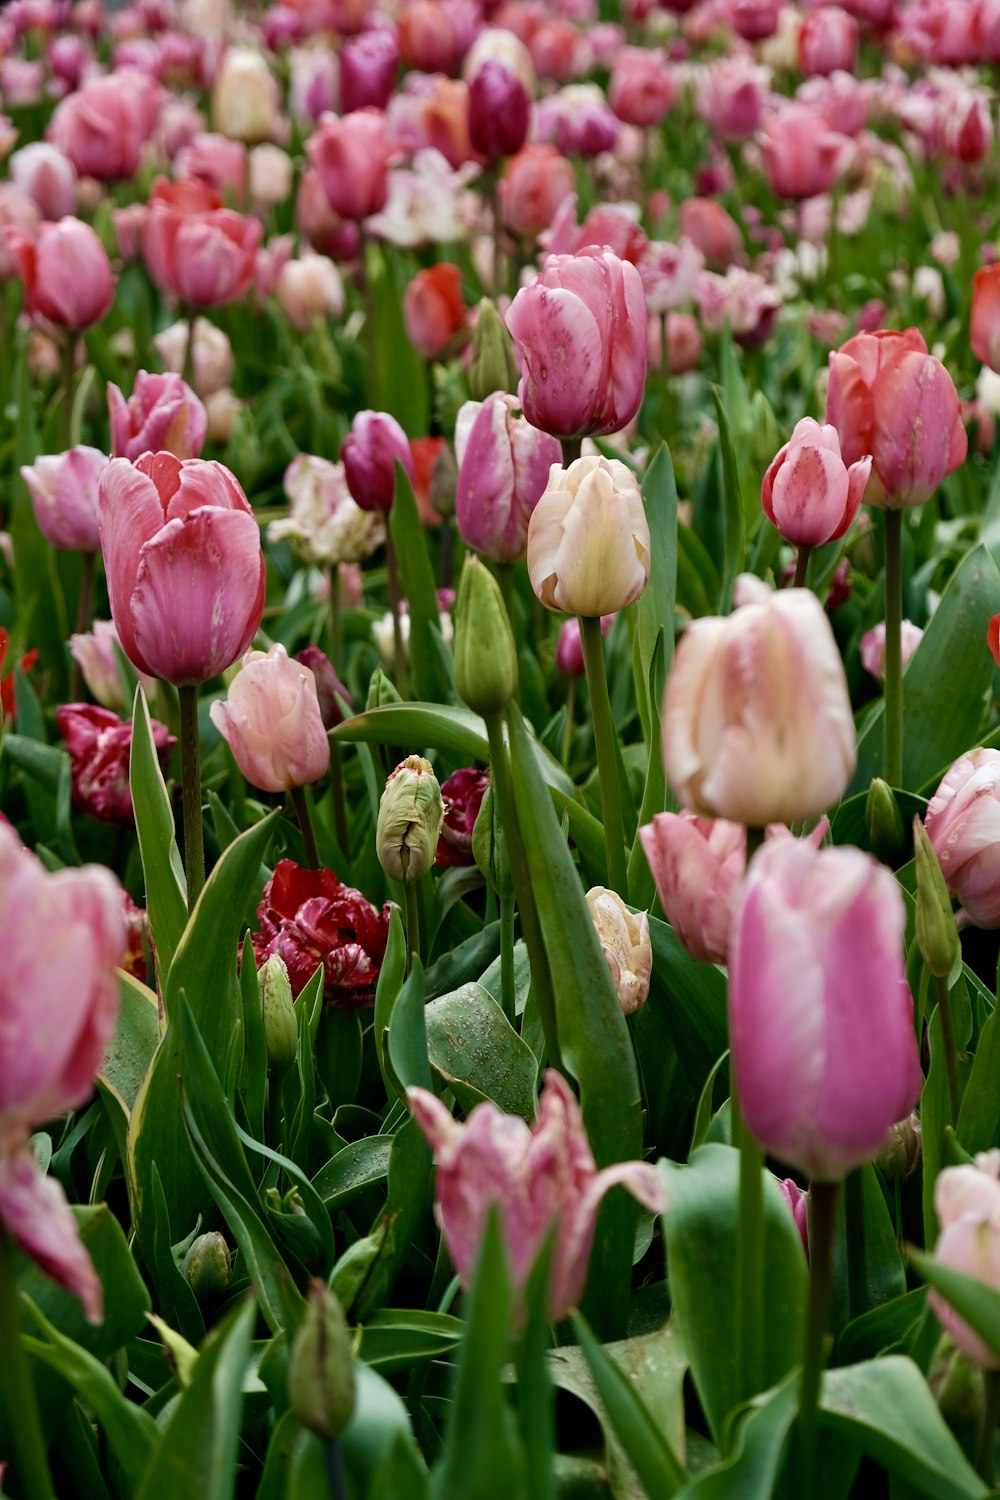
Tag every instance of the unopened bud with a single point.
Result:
(626, 944)
(884, 821)
(321, 1388)
(410, 815)
(381, 690)
(937, 934)
(485, 657)
(207, 1266)
(901, 1150)
(956, 1384)
(493, 366)
(281, 1032)
(353, 1271)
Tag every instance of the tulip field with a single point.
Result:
(499, 750)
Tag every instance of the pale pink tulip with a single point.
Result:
(95, 654)
(873, 646)
(351, 156)
(963, 822)
(63, 490)
(47, 176)
(272, 723)
(808, 492)
(588, 547)
(967, 1203)
(698, 865)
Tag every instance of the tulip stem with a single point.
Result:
(187, 369)
(567, 740)
(750, 1265)
(304, 816)
(802, 567)
(987, 1425)
(194, 838)
(335, 1470)
(333, 616)
(339, 802)
(83, 608)
(950, 1050)
(412, 918)
(571, 449)
(857, 1252)
(67, 356)
(399, 650)
(507, 958)
(893, 650)
(17, 1388)
(607, 766)
(823, 1220)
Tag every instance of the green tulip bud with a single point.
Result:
(381, 690)
(937, 934)
(901, 1150)
(410, 815)
(281, 1032)
(352, 1274)
(493, 366)
(884, 821)
(207, 1266)
(485, 657)
(321, 1385)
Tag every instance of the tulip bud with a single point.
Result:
(937, 934)
(352, 1273)
(409, 820)
(207, 1266)
(901, 1152)
(493, 366)
(485, 657)
(381, 690)
(626, 945)
(956, 1384)
(281, 1033)
(321, 1388)
(489, 847)
(884, 821)
(588, 539)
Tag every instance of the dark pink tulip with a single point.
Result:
(504, 465)
(754, 20)
(641, 90)
(828, 41)
(312, 920)
(461, 797)
(63, 489)
(888, 397)
(809, 493)
(499, 110)
(369, 453)
(328, 685)
(66, 274)
(368, 67)
(163, 414)
(203, 253)
(100, 745)
(820, 1015)
(47, 177)
(580, 334)
(537, 1177)
(351, 156)
(803, 156)
(184, 565)
(798, 1207)
(569, 646)
(103, 128)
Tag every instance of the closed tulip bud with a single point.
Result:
(499, 110)
(208, 1265)
(272, 723)
(626, 945)
(963, 822)
(66, 274)
(937, 934)
(485, 656)
(409, 820)
(588, 539)
(246, 96)
(493, 366)
(884, 822)
(901, 1150)
(369, 453)
(967, 1202)
(281, 1033)
(809, 494)
(321, 1382)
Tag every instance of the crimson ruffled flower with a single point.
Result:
(462, 795)
(100, 744)
(8, 706)
(311, 919)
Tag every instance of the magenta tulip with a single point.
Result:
(63, 489)
(369, 453)
(162, 415)
(272, 723)
(504, 465)
(368, 67)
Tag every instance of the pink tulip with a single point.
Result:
(698, 865)
(731, 96)
(499, 110)
(129, 224)
(873, 646)
(217, 161)
(984, 316)
(369, 453)
(803, 156)
(434, 310)
(820, 1016)
(103, 128)
(798, 1207)
(63, 490)
(328, 685)
(641, 90)
(569, 646)
(100, 747)
(888, 397)
(203, 253)
(310, 288)
(18, 213)
(96, 655)
(34, 1211)
(715, 233)
(66, 274)
(368, 67)
(534, 184)
(757, 721)
(963, 822)
(754, 20)
(537, 1177)
(967, 1203)
(351, 156)
(271, 722)
(580, 333)
(808, 492)
(828, 41)
(163, 414)
(504, 466)
(580, 120)
(184, 565)
(46, 175)
(213, 354)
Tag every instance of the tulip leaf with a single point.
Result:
(48, 789)
(163, 872)
(407, 1042)
(759, 1443)
(884, 1280)
(395, 1339)
(879, 1329)
(380, 1421)
(934, 1108)
(692, 996)
(253, 1080)
(130, 1051)
(396, 374)
(655, 797)
(410, 1177)
(735, 530)
(390, 982)
(657, 603)
(943, 710)
(360, 1165)
(175, 1298)
(465, 962)
(478, 1054)
(427, 678)
(979, 1116)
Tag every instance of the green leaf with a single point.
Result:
(933, 1118)
(253, 1080)
(657, 603)
(410, 1177)
(692, 995)
(380, 1420)
(396, 375)
(395, 1339)
(979, 1116)
(130, 1051)
(973, 1300)
(735, 533)
(478, 1054)
(407, 1046)
(361, 1165)
(154, 823)
(428, 680)
(390, 982)
(885, 1280)
(753, 1466)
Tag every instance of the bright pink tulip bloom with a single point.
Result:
(271, 722)
(888, 397)
(803, 156)
(641, 90)
(808, 492)
(499, 110)
(828, 41)
(47, 176)
(967, 1203)
(580, 333)
(504, 465)
(368, 67)
(184, 565)
(162, 415)
(63, 490)
(873, 646)
(698, 865)
(203, 253)
(569, 646)
(820, 1015)
(537, 1177)
(103, 128)
(351, 156)
(963, 823)
(369, 453)
(66, 274)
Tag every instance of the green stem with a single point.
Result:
(335, 1470)
(750, 1265)
(857, 1243)
(507, 958)
(83, 609)
(823, 1219)
(306, 826)
(194, 838)
(412, 909)
(400, 667)
(571, 448)
(950, 1050)
(499, 269)
(802, 567)
(607, 765)
(67, 356)
(987, 1425)
(17, 1388)
(893, 648)
(446, 552)
(371, 336)
(567, 740)
(541, 978)
(187, 369)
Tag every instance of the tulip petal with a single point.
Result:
(562, 356)
(129, 513)
(35, 1212)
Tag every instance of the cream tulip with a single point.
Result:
(588, 539)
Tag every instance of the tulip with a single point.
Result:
(96, 655)
(539, 1178)
(499, 110)
(580, 333)
(47, 176)
(246, 96)
(757, 722)
(215, 160)
(103, 127)
(369, 453)
(808, 492)
(329, 687)
(485, 652)
(163, 414)
(271, 722)
(967, 1203)
(963, 822)
(569, 646)
(588, 545)
(270, 174)
(207, 1265)
(184, 565)
(326, 525)
(213, 354)
(626, 945)
(803, 156)
(711, 230)
(820, 1016)
(309, 289)
(321, 1380)
(534, 184)
(873, 646)
(368, 67)
(798, 1207)
(351, 156)
(409, 820)
(433, 309)
(902, 1149)
(731, 94)
(504, 465)
(461, 798)
(63, 489)
(100, 746)
(66, 274)
(828, 41)
(698, 865)
(641, 90)
(888, 397)
(312, 920)
(194, 248)
(19, 213)
(984, 318)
